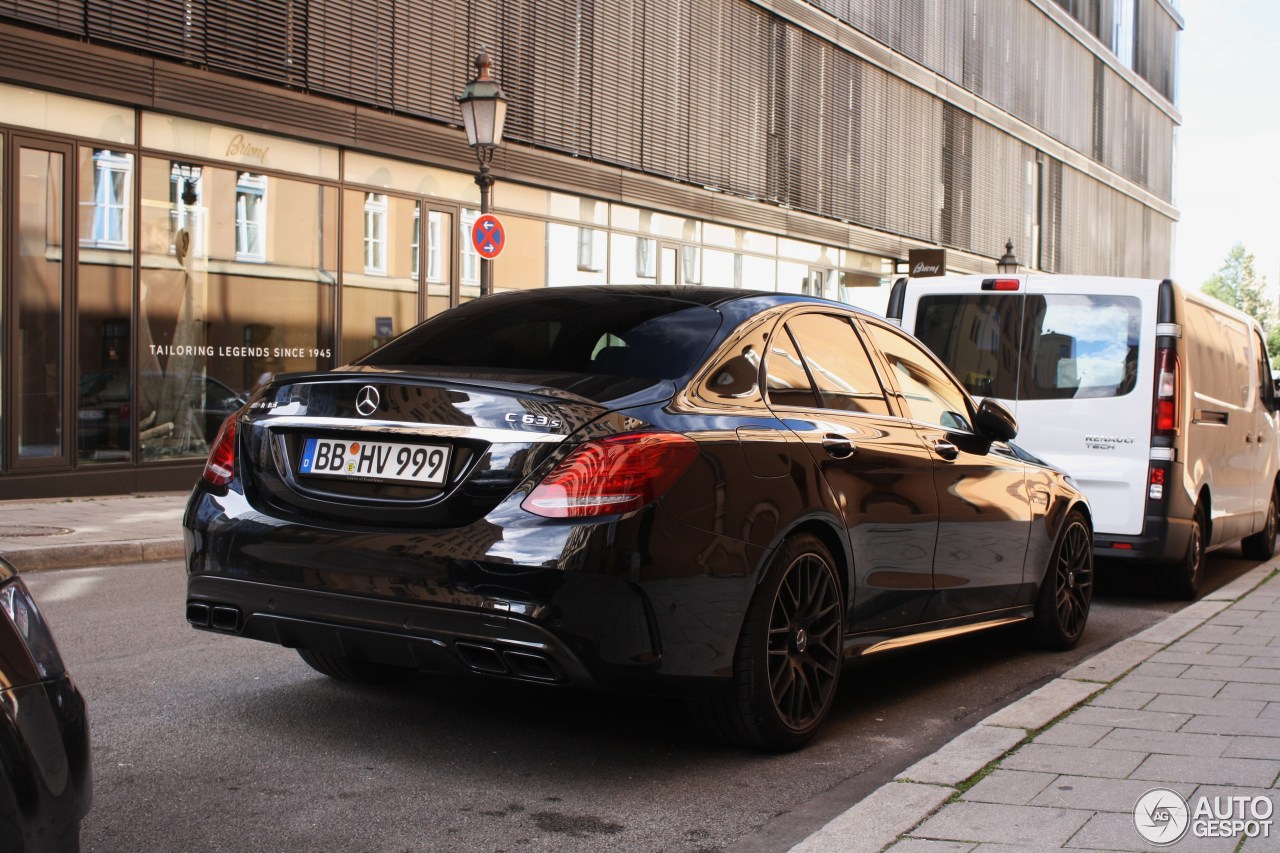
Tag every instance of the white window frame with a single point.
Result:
(646, 257)
(375, 233)
(470, 257)
(434, 246)
(591, 254)
(251, 217)
(112, 224)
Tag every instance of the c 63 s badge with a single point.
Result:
(527, 419)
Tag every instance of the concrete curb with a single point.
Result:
(52, 557)
(896, 808)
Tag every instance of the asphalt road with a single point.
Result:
(202, 742)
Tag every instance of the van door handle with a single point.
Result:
(838, 447)
(945, 449)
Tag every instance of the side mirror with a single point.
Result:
(994, 421)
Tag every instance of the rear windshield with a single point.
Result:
(1070, 346)
(595, 333)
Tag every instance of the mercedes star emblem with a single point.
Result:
(367, 400)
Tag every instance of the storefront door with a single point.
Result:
(37, 411)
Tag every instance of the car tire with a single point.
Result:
(357, 671)
(1182, 579)
(1066, 592)
(1262, 545)
(789, 655)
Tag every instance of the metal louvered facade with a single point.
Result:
(922, 119)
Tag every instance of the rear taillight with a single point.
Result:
(220, 469)
(1000, 284)
(1166, 415)
(1155, 483)
(612, 475)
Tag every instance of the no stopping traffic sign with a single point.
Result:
(487, 236)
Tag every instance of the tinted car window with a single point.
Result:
(928, 394)
(654, 338)
(787, 380)
(838, 363)
(1071, 345)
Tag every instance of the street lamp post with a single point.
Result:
(1008, 264)
(484, 112)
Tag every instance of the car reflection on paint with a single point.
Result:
(45, 784)
(723, 493)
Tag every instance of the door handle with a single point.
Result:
(838, 447)
(945, 449)
(1248, 439)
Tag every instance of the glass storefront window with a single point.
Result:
(211, 328)
(104, 423)
(379, 286)
(251, 217)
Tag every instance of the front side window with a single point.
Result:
(928, 395)
(251, 217)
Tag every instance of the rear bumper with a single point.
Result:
(635, 604)
(1163, 540)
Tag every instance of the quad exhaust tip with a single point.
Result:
(219, 617)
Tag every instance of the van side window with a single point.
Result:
(928, 394)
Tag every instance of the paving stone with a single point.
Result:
(1233, 673)
(1010, 787)
(1192, 647)
(877, 820)
(1263, 662)
(923, 845)
(1146, 720)
(1249, 651)
(1162, 670)
(1181, 686)
(1253, 746)
(1075, 761)
(1068, 733)
(1245, 636)
(1259, 726)
(1024, 848)
(1186, 624)
(1271, 712)
(1099, 795)
(1191, 658)
(1264, 692)
(1021, 825)
(1114, 698)
(1112, 831)
(1209, 771)
(1214, 634)
(1166, 743)
(1212, 706)
(1235, 616)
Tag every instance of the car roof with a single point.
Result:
(709, 296)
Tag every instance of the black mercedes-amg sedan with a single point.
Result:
(719, 492)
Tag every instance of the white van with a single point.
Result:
(1157, 400)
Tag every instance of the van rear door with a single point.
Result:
(1073, 358)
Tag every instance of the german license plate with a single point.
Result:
(376, 460)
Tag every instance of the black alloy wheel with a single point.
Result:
(789, 655)
(1062, 610)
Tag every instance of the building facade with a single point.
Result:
(198, 194)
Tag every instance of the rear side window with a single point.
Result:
(607, 334)
(1034, 347)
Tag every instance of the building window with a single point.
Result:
(251, 217)
(691, 268)
(186, 189)
(591, 250)
(375, 235)
(415, 247)
(112, 181)
(434, 235)
(647, 257)
(470, 257)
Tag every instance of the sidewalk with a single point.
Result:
(60, 533)
(1191, 705)
(1188, 709)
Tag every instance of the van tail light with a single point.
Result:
(1001, 284)
(221, 467)
(612, 475)
(1155, 482)
(1166, 415)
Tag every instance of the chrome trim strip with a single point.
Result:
(930, 636)
(421, 430)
